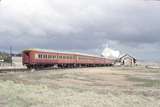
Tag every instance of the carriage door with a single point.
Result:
(26, 58)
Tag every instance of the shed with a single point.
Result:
(127, 60)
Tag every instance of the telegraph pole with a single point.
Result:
(10, 48)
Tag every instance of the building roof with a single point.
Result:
(65, 52)
(124, 55)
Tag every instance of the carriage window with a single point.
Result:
(67, 57)
(74, 57)
(39, 56)
(36, 56)
(60, 57)
(64, 57)
(49, 56)
(44, 56)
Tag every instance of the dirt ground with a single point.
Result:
(84, 87)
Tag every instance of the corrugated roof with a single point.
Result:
(65, 52)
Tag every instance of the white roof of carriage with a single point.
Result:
(65, 52)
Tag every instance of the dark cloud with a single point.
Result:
(84, 25)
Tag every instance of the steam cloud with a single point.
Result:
(110, 53)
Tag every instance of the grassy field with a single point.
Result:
(85, 87)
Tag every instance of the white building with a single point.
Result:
(127, 60)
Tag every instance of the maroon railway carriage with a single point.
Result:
(37, 58)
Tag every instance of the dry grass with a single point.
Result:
(88, 87)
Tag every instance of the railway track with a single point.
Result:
(6, 70)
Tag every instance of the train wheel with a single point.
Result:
(29, 66)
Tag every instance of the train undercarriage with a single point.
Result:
(41, 66)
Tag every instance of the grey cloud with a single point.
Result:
(80, 24)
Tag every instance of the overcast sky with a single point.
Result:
(131, 26)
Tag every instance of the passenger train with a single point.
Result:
(41, 58)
